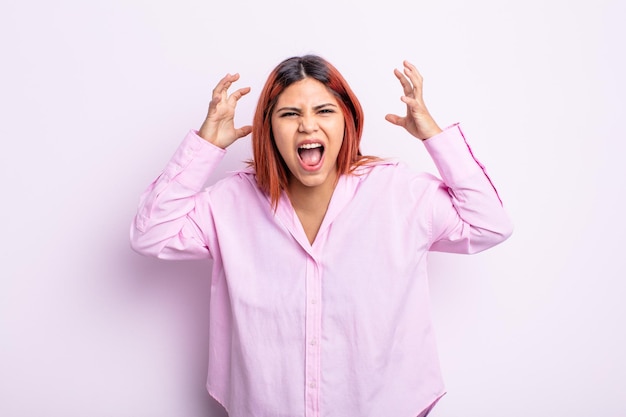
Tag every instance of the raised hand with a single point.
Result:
(218, 127)
(418, 121)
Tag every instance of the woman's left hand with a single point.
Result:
(418, 121)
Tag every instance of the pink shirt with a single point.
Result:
(341, 327)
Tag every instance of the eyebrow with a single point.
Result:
(318, 107)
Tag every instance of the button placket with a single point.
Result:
(312, 335)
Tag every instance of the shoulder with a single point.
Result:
(240, 185)
(395, 183)
(394, 171)
(238, 180)
(396, 189)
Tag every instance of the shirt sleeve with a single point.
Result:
(468, 215)
(168, 222)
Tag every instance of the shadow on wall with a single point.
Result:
(171, 299)
(174, 296)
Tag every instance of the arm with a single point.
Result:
(169, 220)
(467, 216)
(174, 213)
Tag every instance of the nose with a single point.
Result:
(307, 124)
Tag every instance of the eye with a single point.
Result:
(288, 114)
(327, 111)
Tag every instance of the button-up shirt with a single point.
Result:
(342, 326)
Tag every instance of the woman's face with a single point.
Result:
(308, 127)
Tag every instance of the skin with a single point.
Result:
(218, 127)
(417, 121)
(305, 111)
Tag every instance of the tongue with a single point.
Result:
(311, 156)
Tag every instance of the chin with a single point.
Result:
(313, 180)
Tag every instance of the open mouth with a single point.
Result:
(311, 154)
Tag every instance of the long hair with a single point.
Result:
(271, 170)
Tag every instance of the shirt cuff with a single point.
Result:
(452, 155)
(194, 161)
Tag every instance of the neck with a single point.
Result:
(311, 204)
(311, 199)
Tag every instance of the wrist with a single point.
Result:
(210, 137)
(431, 131)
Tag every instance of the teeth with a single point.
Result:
(310, 146)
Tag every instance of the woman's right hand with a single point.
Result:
(218, 127)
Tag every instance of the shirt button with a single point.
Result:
(312, 384)
(313, 342)
(313, 301)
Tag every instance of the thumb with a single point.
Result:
(395, 119)
(243, 131)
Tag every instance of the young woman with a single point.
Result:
(319, 293)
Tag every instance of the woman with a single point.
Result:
(319, 293)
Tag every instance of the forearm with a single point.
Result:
(470, 211)
(166, 224)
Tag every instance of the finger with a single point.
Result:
(409, 65)
(224, 84)
(229, 80)
(412, 69)
(240, 93)
(410, 101)
(217, 90)
(414, 106)
(414, 75)
(406, 84)
(213, 104)
(243, 131)
(395, 119)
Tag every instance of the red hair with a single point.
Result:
(271, 171)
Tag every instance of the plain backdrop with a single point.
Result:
(96, 95)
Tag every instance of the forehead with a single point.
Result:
(307, 91)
